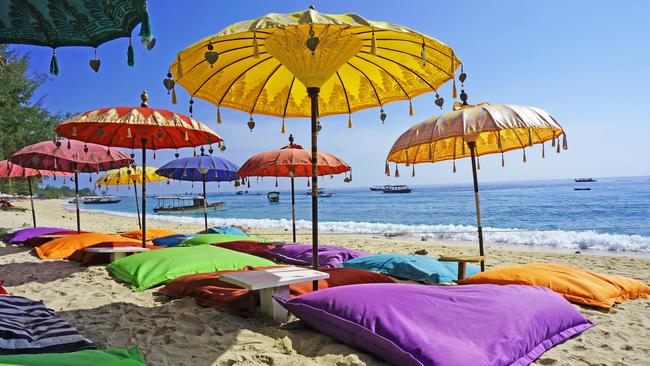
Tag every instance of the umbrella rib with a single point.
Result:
(414, 56)
(221, 69)
(370, 81)
(264, 85)
(345, 92)
(220, 54)
(391, 75)
(409, 41)
(240, 75)
(286, 103)
(407, 68)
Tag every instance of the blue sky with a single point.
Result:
(586, 62)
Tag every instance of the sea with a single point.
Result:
(614, 216)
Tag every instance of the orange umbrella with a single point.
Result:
(292, 161)
(139, 128)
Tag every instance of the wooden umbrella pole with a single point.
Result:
(313, 96)
(144, 192)
(137, 205)
(76, 190)
(472, 150)
(205, 205)
(293, 207)
(31, 199)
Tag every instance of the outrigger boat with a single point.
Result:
(99, 200)
(321, 193)
(273, 196)
(184, 204)
(392, 189)
(584, 180)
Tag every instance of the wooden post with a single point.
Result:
(137, 204)
(313, 96)
(472, 150)
(205, 203)
(144, 192)
(293, 207)
(31, 199)
(76, 190)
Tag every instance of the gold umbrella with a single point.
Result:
(127, 176)
(485, 129)
(309, 64)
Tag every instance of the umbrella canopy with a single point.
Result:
(59, 23)
(128, 175)
(471, 131)
(9, 170)
(312, 64)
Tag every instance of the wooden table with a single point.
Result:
(462, 262)
(118, 252)
(273, 282)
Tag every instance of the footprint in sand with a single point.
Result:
(547, 361)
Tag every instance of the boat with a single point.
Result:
(582, 189)
(396, 189)
(239, 193)
(273, 196)
(321, 193)
(184, 204)
(377, 188)
(99, 200)
(584, 180)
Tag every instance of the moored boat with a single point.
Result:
(321, 193)
(184, 204)
(396, 189)
(100, 200)
(273, 196)
(584, 180)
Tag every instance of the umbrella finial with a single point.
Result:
(145, 99)
(291, 139)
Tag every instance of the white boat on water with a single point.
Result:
(175, 204)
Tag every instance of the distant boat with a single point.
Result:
(239, 193)
(100, 200)
(392, 189)
(175, 204)
(582, 189)
(377, 188)
(321, 193)
(584, 180)
(273, 196)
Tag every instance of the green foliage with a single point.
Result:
(59, 192)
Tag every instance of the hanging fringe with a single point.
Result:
(387, 169)
(130, 54)
(248, 183)
(558, 148)
(276, 181)
(179, 68)
(530, 138)
(543, 153)
(524, 155)
(396, 172)
(553, 143)
(410, 107)
(349, 121)
(256, 50)
(283, 130)
(503, 161)
(174, 101)
(565, 145)
(454, 93)
(373, 44)
(54, 63)
(308, 184)
(413, 171)
(454, 166)
(218, 115)
(145, 28)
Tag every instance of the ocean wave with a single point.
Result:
(588, 239)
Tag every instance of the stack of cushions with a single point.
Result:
(94, 259)
(415, 325)
(151, 234)
(210, 291)
(157, 267)
(576, 285)
(27, 326)
(64, 247)
(23, 235)
(410, 267)
(171, 240)
(2, 289)
(107, 357)
(329, 256)
(230, 230)
(249, 247)
(205, 239)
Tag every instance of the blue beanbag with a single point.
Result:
(411, 267)
(230, 230)
(172, 240)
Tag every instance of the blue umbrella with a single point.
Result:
(201, 168)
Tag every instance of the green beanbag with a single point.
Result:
(158, 267)
(107, 357)
(202, 239)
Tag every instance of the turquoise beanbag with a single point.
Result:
(203, 239)
(230, 230)
(411, 267)
(171, 240)
(158, 267)
(107, 357)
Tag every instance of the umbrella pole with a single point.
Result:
(313, 96)
(137, 205)
(205, 205)
(144, 192)
(76, 190)
(293, 208)
(31, 199)
(472, 150)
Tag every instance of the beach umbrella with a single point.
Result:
(472, 131)
(127, 176)
(9, 170)
(139, 128)
(308, 64)
(292, 161)
(203, 168)
(60, 23)
(71, 156)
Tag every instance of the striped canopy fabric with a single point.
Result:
(192, 169)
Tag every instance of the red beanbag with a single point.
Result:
(2, 289)
(249, 247)
(93, 259)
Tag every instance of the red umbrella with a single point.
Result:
(139, 128)
(73, 157)
(292, 161)
(10, 170)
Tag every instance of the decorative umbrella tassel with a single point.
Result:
(90, 178)
(524, 150)
(350, 175)
(130, 54)
(373, 44)
(145, 27)
(179, 68)
(191, 109)
(413, 172)
(423, 54)
(154, 155)
(218, 115)
(54, 63)
(557, 148)
(174, 101)
(248, 183)
(396, 172)
(565, 145)
(128, 133)
(454, 93)
(530, 138)
(410, 108)
(69, 146)
(349, 121)
(283, 130)
(543, 152)
(308, 182)
(256, 49)
(387, 169)
(454, 166)
(276, 181)
(195, 152)
(503, 161)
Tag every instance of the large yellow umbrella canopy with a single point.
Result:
(474, 130)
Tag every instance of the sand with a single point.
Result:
(179, 332)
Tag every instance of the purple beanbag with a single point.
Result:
(328, 256)
(447, 325)
(22, 235)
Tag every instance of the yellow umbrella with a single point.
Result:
(484, 129)
(127, 176)
(309, 64)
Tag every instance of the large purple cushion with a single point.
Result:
(22, 235)
(328, 256)
(443, 325)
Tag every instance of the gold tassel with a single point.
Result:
(530, 138)
(349, 121)
(174, 96)
(423, 54)
(524, 155)
(284, 129)
(462, 148)
(218, 115)
(387, 169)
(543, 153)
(128, 133)
(430, 153)
(565, 145)
(454, 93)
(373, 44)
(413, 173)
(256, 50)
(454, 166)
(407, 158)
(396, 172)
(499, 144)
(503, 161)
(553, 143)
(410, 108)
(179, 68)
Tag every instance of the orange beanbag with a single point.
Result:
(151, 234)
(576, 285)
(64, 247)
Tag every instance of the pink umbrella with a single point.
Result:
(10, 170)
(71, 156)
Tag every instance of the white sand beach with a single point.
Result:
(179, 332)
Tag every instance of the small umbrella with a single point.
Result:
(309, 64)
(202, 168)
(484, 129)
(59, 23)
(291, 161)
(127, 176)
(139, 128)
(73, 157)
(9, 170)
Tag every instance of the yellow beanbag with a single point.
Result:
(64, 247)
(576, 285)
(151, 233)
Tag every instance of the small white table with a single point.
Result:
(273, 282)
(118, 252)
